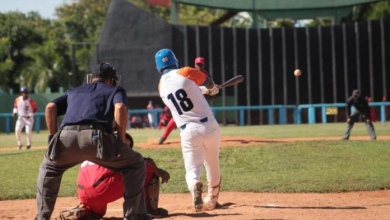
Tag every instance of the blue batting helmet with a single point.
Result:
(165, 58)
(23, 90)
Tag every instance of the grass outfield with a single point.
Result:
(315, 166)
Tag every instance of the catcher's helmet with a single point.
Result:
(165, 58)
(24, 90)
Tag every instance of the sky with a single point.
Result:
(45, 8)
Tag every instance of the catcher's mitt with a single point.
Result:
(73, 214)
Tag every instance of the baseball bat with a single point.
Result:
(231, 82)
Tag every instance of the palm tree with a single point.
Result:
(43, 67)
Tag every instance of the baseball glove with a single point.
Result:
(73, 214)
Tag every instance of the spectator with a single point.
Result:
(136, 122)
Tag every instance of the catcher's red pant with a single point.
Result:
(96, 195)
(170, 126)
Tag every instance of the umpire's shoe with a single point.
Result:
(197, 196)
(137, 217)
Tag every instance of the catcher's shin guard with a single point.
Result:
(153, 189)
(211, 200)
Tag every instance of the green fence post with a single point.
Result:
(282, 116)
(312, 115)
(323, 112)
(242, 117)
(37, 123)
(270, 116)
(7, 124)
(383, 114)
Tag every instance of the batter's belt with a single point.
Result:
(203, 120)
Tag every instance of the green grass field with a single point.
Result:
(312, 166)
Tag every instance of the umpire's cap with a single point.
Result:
(24, 90)
(165, 58)
(104, 70)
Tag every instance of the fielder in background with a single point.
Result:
(361, 107)
(200, 133)
(86, 133)
(97, 186)
(200, 65)
(24, 109)
(168, 121)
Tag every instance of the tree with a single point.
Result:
(6, 63)
(82, 22)
(370, 11)
(21, 30)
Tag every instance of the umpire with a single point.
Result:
(86, 134)
(361, 107)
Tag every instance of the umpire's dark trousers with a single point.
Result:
(77, 143)
(355, 117)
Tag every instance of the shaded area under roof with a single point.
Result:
(262, 5)
(276, 9)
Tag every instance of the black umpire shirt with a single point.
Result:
(90, 103)
(360, 104)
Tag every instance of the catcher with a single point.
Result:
(97, 186)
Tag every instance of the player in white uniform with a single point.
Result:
(24, 108)
(200, 134)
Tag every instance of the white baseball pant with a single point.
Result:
(200, 146)
(20, 123)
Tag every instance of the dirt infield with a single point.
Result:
(235, 205)
(238, 205)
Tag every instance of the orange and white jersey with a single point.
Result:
(179, 90)
(25, 107)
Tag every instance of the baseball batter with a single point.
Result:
(200, 134)
(24, 108)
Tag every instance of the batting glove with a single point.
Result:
(213, 91)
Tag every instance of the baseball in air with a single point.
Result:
(297, 72)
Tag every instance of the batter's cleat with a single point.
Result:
(28, 147)
(20, 147)
(161, 140)
(197, 196)
(210, 202)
